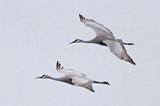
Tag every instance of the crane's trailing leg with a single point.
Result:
(128, 43)
(104, 82)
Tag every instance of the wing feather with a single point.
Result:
(99, 29)
(60, 69)
(117, 48)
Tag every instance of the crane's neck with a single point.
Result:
(89, 41)
(56, 79)
(94, 42)
(65, 80)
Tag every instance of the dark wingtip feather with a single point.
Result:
(81, 17)
(57, 62)
(92, 90)
(57, 65)
(132, 62)
(129, 59)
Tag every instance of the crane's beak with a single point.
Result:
(72, 42)
(38, 77)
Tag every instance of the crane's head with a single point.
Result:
(43, 77)
(76, 41)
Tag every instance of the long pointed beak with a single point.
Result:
(38, 77)
(71, 42)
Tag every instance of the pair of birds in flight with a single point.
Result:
(104, 37)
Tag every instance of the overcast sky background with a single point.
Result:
(34, 34)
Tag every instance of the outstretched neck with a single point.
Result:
(82, 41)
(57, 79)
(65, 80)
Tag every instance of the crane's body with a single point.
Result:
(73, 78)
(104, 37)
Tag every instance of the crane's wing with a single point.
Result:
(99, 29)
(61, 69)
(117, 48)
(89, 87)
(82, 82)
(79, 81)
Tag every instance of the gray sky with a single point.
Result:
(34, 34)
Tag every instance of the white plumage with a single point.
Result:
(105, 37)
(73, 77)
